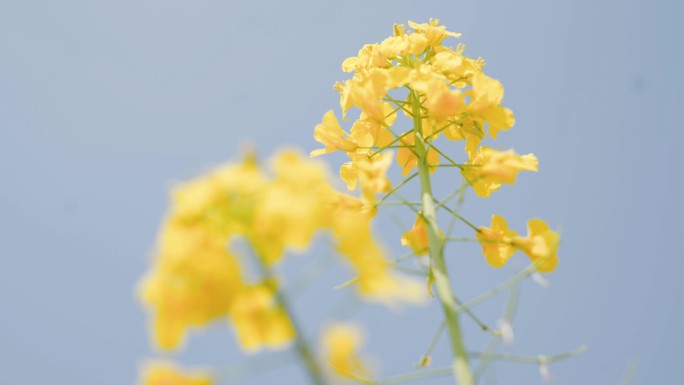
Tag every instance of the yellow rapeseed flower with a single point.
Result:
(288, 213)
(369, 56)
(335, 138)
(434, 32)
(162, 373)
(367, 90)
(541, 245)
(259, 320)
(496, 241)
(192, 283)
(456, 67)
(485, 104)
(378, 132)
(417, 238)
(376, 279)
(370, 173)
(488, 168)
(337, 203)
(223, 198)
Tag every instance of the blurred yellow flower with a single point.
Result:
(259, 320)
(341, 344)
(417, 238)
(222, 199)
(376, 279)
(195, 279)
(193, 282)
(288, 213)
(162, 373)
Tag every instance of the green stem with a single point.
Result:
(461, 366)
(486, 357)
(302, 347)
(441, 372)
(424, 360)
(498, 289)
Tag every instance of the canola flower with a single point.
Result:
(499, 243)
(442, 93)
(259, 320)
(197, 278)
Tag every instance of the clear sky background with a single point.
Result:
(104, 104)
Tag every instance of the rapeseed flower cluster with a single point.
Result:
(197, 278)
(443, 92)
(457, 99)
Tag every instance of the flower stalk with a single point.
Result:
(301, 346)
(461, 366)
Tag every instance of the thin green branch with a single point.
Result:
(460, 197)
(534, 360)
(410, 270)
(397, 187)
(508, 315)
(391, 263)
(309, 275)
(393, 142)
(454, 213)
(459, 165)
(302, 347)
(526, 272)
(447, 157)
(425, 358)
(407, 203)
(398, 204)
(477, 320)
(424, 374)
(382, 148)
